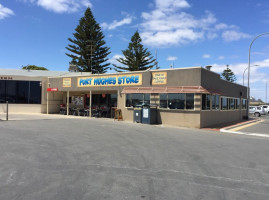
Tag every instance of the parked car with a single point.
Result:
(266, 108)
(257, 111)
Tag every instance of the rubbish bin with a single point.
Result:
(149, 115)
(137, 115)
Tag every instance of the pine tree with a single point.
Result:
(88, 50)
(34, 67)
(228, 75)
(136, 57)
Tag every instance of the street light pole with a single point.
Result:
(244, 74)
(249, 69)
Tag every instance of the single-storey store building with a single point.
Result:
(189, 97)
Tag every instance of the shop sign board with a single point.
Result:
(66, 82)
(159, 78)
(116, 80)
(52, 89)
(5, 78)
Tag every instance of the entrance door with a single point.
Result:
(102, 104)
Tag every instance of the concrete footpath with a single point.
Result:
(31, 116)
(253, 127)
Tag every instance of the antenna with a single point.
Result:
(172, 65)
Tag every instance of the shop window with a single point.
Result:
(177, 101)
(2, 91)
(134, 100)
(237, 103)
(244, 104)
(163, 101)
(206, 101)
(189, 101)
(232, 103)
(35, 92)
(215, 102)
(11, 91)
(113, 100)
(224, 103)
(128, 102)
(20, 92)
(23, 92)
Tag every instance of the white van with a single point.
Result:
(266, 108)
(257, 111)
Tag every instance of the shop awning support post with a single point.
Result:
(90, 106)
(7, 112)
(67, 107)
(47, 102)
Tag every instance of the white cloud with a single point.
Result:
(171, 58)
(211, 35)
(221, 57)
(222, 26)
(170, 5)
(168, 25)
(62, 6)
(115, 23)
(206, 56)
(256, 74)
(5, 12)
(232, 35)
(114, 61)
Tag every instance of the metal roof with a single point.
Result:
(40, 73)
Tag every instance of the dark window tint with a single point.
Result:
(137, 100)
(35, 92)
(2, 91)
(21, 92)
(163, 100)
(176, 101)
(206, 101)
(189, 101)
(224, 103)
(232, 104)
(11, 91)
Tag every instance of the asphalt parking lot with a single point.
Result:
(260, 128)
(79, 158)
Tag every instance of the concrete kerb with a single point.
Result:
(34, 116)
(234, 129)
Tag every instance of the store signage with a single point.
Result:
(52, 89)
(159, 78)
(66, 82)
(117, 80)
(5, 78)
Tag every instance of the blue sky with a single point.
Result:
(185, 33)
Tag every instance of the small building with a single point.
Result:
(188, 97)
(25, 90)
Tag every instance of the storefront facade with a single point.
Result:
(189, 97)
